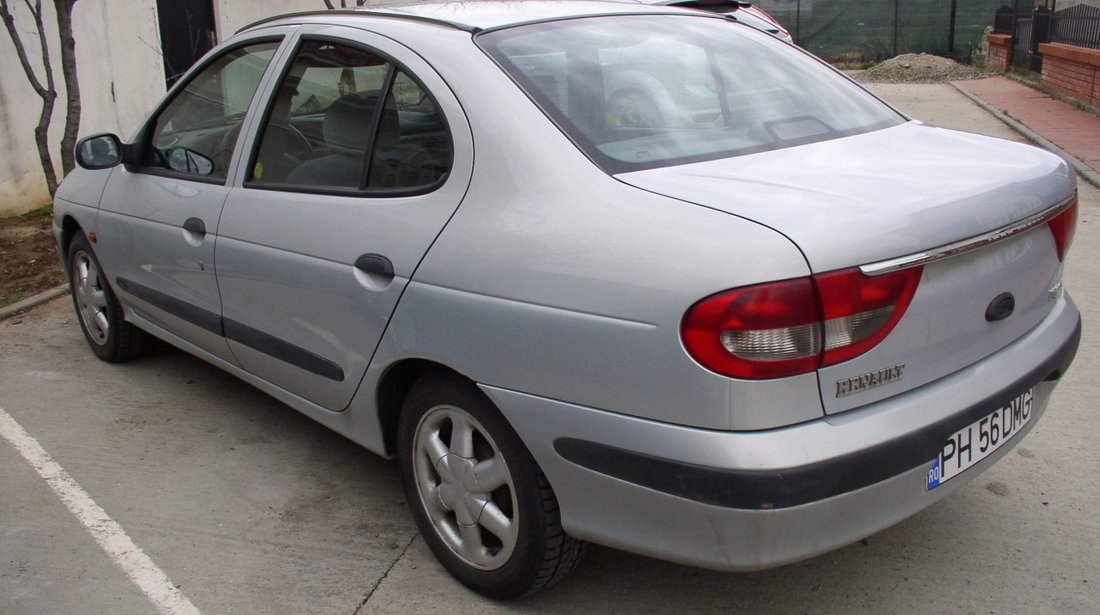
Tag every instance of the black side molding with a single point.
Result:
(193, 314)
(787, 487)
(253, 338)
(282, 350)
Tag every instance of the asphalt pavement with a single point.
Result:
(175, 487)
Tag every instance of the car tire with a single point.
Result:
(479, 499)
(98, 310)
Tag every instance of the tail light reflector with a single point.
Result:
(796, 326)
(860, 311)
(1063, 226)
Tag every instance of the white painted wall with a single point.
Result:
(120, 75)
(232, 16)
(120, 72)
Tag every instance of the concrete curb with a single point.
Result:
(1083, 169)
(35, 301)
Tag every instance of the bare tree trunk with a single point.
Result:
(47, 93)
(64, 9)
(343, 3)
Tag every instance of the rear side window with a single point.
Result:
(638, 92)
(345, 119)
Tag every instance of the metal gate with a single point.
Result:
(1031, 26)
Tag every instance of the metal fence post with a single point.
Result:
(1040, 34)
(895, 27)
(951, 29)
(798, 22)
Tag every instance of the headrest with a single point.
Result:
(348, 120)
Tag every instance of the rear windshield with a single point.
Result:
(642, 91)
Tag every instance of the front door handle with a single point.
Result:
(375, 264)
(195, 227)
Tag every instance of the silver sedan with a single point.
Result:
(591, 271)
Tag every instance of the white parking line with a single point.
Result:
(111, 538)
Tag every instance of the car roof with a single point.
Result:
(479, 15)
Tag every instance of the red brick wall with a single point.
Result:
(1072, 70)
(1000, 52)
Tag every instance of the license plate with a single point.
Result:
(969, 445)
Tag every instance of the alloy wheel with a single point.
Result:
(91, 298)
(465, 487)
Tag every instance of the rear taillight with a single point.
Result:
(796, 326)
(860, 311)
(1062, 226)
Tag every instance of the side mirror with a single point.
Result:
(101, 151)
(188, 161)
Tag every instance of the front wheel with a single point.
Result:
(101, 319)
(481, 502)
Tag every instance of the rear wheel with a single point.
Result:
(101, 318)
(481, 502)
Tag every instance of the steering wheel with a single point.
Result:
(294, 147)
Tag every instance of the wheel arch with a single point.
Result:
(69, 229)
(394, 387)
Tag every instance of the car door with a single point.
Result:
(158, 220)
(360, 158)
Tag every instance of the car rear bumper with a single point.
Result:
(751, 500)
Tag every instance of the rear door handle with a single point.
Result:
(195, 226)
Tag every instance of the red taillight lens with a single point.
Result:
(796, 326)
(764, 331)
(1062, 226)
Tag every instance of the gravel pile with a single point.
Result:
(919, 68)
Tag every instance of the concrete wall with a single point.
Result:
(120, 72)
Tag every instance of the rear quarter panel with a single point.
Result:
(557, 280)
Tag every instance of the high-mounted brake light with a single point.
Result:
(795, 326)
(1063, 226)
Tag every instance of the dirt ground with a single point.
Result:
(28, 258)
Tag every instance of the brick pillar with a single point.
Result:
(1000, 52)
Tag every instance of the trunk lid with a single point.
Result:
(891, 193)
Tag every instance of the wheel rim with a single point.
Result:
(465, 487)
(91, 298)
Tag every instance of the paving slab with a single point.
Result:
(1067, 126)
(246, 504)
(48, 563)
(940, 105)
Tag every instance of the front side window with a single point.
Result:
(196, 132)
(638, 92)
(348, 120)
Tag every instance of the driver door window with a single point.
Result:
(196, 132)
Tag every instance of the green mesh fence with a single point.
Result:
(881, 29)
